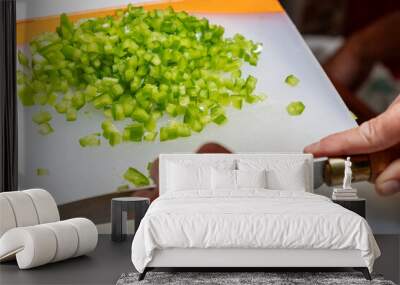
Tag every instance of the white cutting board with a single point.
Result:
(77, 173)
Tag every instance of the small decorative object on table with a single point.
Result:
(347, 196)
(119, 214)
(346, 192)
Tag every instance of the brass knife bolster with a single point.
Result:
(334, 169)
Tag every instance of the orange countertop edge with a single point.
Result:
(27, 29)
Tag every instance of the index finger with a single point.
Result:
(375, 135)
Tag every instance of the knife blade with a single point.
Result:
(319, 166)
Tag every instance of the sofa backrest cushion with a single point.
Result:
(26, 208)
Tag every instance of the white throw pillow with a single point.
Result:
(188, 177)
(223, 179)
(290, 174)
(251, 178)
(290, 179)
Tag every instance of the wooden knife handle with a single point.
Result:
(365, 167)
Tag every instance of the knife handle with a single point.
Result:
(365, 167)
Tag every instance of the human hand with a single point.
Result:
(378, 42)
(379, 137)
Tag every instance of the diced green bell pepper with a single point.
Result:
(136, 177)
(71, 115)
(90, 140)
(45, 129)
(118, 113)
(42, 171)
(295, 108)
(41, 117)
(292, 80)
(134, 132)
(140, 115)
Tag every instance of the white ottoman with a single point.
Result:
(31, 232)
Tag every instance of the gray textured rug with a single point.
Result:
(269, 278)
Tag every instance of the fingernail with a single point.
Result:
(312, 147)
(389, 187)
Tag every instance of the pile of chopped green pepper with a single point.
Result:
(139, 66)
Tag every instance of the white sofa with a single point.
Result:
(31, 231)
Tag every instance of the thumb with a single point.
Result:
(388, 182)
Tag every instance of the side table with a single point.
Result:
(356, 205)
(119, 214)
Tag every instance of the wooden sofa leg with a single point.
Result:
(143, 274)
(364, 271)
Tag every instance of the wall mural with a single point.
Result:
(102, 92)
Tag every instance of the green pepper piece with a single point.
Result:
(251, 83)
(117, 89)
(220, 119)
(118, 113)
(295, 108)
(90, 140)
(140, 115)
(61, 107)
(136, 177)
(45, 129)
(251, 99)
(115, 138)
(196, 126)
(134, 132)
(163, 134)
(41, 117)
(51, 99)
(150, 136)
(122, 188)
(172, 110)
(78, 100)
(108, 127)
(183, 130)
(22, 59)
(42, 171)
(40, 98)
(90, 93)
(237, 101)
(102, 101)
(25, 95)
(292, 80)
(71, 115)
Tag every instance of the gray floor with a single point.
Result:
(389, 263)
(110, 260)
(103, 266)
